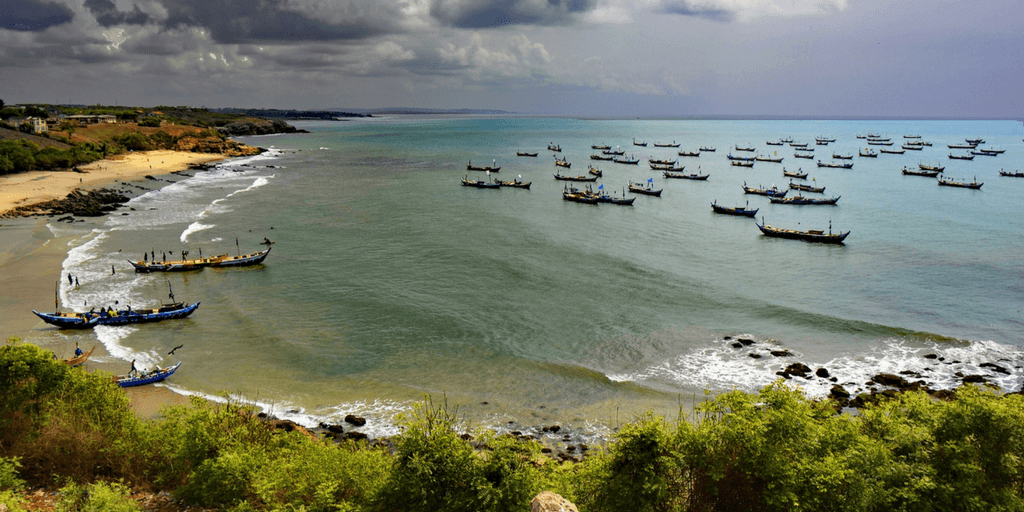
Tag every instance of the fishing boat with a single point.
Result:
(578, 196)
(836, 165)
(950, 182)
(805, 188)
(809, 156)
(837, 156)
(926, 173)
(777, 143)
(984, 152)
(604, 197)
(635, 143)
(802, 200)
(811, 235)
(742, 163)
(993, 151)
(79, 359)
(562, 162)
(594, 171)
(663, 167)
(892, 151)
(614, 152)
(630, 160)
(601, 157)
(599, 146)
(742, 211)
(872, 142)
(823, 139)
(744, 148)
(516, 183)
(794, 174)
(911, 136)
(690, 176)
(927, 167)
(142, 378)
(479, 183)
(110, 316)
(665, 161)
(672, 144)
(574, 178)
(490, 168)
(690, 153)
(524, 153)
(645, 188)
(709, 149)
(960, 157)
(554, 147)
(868, 153)
(760, 158)
(223, 260)
(1009, 174)
(975, 141)
(733, 157)
(912, 147)
(961, 146)
(799, 145)
(770, 192)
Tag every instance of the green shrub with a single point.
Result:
(9, 477)
(97, 497)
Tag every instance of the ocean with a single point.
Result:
(389, 281)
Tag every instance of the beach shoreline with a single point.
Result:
(31, 256)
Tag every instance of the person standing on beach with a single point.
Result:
(133, 371)
(70, 280)
(112, 272)
(76, 282)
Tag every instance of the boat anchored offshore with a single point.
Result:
(811, 235)
(742, 211)
(223, 260)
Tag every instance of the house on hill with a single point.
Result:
(38, 125)
(92, 119)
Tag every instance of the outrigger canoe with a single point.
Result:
(71, 320)
(195, 264)
(142, 378)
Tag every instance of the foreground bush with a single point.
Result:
(774, 450)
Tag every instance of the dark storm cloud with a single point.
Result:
(32, 15)
(684, 8)
(245, 21)
(106, 13)
(499, 13)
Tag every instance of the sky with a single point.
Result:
(591, 58)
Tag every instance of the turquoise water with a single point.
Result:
(389, 280)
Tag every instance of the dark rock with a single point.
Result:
(783, 374)
(968, 379)
(840, 393)
(888, 379)
(833, 379)
(553, 429)
(931, 356)
(466, 437)
(754, 356)
(737, 345)
(746, 340)
(335, 429)
(822, 372)
(516, 433)
(781, 353)
(355, 420)
(545, 450)
(995, 367)
(798, 369)
(356, 436)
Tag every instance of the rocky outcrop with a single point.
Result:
(229, 148)
(91, 203)
(258, 127)
(548, 501)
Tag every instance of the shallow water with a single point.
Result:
(389, 280)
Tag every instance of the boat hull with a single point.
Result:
(121, 317)
(125, 381)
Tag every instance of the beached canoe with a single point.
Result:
(128, 316)
(142, 378)
(79, 359)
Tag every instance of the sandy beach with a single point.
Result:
(31, 257)
(38, 186)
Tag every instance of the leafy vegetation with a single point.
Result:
(773, 450)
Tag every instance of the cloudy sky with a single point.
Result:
(916, 58)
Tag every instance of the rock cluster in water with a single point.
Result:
(82, 203)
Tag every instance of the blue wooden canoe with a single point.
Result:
(141, 379)
(120, 317)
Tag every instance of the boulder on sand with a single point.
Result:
(548, 501)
